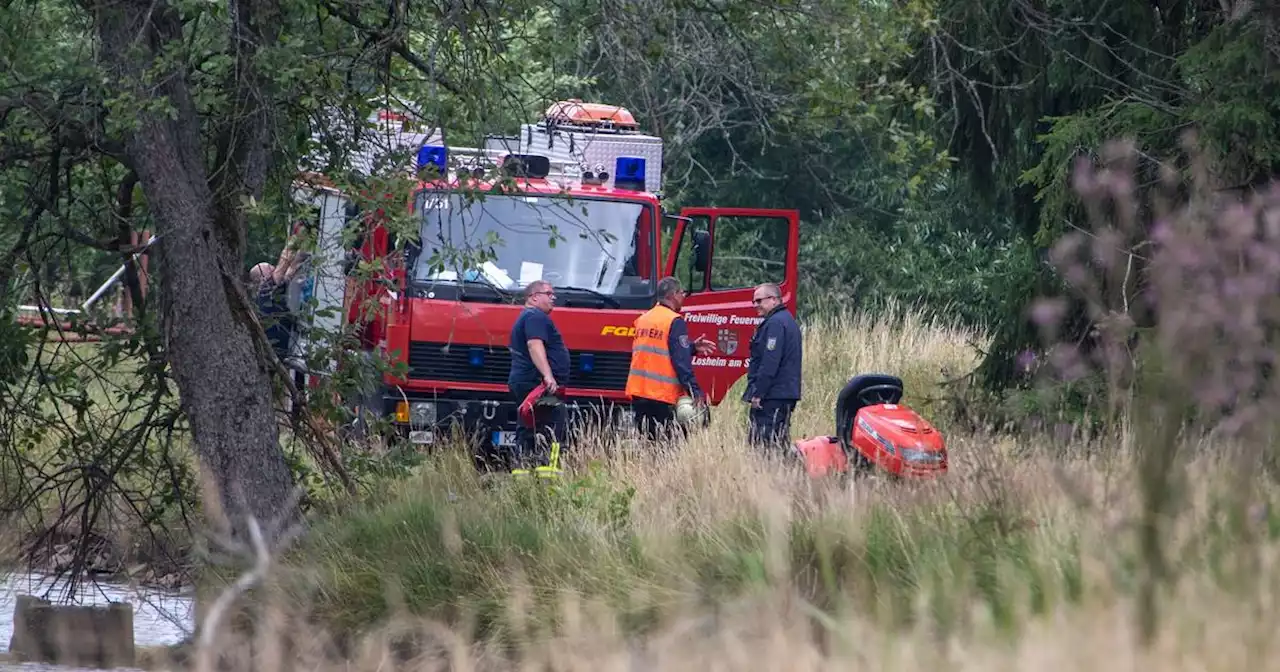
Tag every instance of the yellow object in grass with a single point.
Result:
(551, 470)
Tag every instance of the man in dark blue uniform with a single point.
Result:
(773, 375)
(538, 357)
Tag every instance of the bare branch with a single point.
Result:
(397, 46)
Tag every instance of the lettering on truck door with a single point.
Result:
(720, 255)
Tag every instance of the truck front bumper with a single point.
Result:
(487, 422)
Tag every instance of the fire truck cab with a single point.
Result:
(574, 199)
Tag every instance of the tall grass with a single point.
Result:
(706, 555)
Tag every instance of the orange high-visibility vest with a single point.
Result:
(652, 374)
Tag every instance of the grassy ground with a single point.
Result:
(706, 556)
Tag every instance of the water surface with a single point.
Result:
(160, 617)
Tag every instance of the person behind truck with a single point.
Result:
(538, 358)
(662, 362)
(269, 286)
(773, 374)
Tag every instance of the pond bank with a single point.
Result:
(108, 561)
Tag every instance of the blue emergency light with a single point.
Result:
(433, 154)
(629, 173)
(475, 357)
(587, 362)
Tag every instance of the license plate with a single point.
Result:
(504, 438)
(422, 436)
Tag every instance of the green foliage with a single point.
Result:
(1235, 98)
(15, 345)
(592, 495)
(851, 142)
(944, 255)
(1027, 92)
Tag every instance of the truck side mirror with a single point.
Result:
(701, 250)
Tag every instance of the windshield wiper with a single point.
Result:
(603, 297)
(502, 294)
(499, 294)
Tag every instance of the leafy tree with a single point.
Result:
(1029, 88)
(194, 118)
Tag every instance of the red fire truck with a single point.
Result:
(589, 178)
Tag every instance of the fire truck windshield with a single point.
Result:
(506, 241)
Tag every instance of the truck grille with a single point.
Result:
(453, 362)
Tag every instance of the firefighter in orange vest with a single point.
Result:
(662, 362)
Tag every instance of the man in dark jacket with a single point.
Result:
(773, 374)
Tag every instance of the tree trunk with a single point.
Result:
(223, 381)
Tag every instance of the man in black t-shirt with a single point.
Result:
(538, 357)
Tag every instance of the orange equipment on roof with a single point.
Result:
(578, 113)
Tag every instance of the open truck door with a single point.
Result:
(720, 255)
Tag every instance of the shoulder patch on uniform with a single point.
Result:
(772, 343)
(684, 340)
